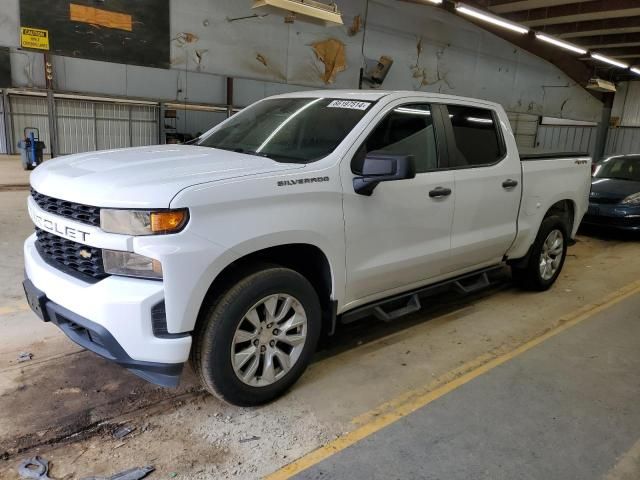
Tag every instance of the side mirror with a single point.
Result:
(382, 167)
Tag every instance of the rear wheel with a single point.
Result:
(257, 338)
(547, 256)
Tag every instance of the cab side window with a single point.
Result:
(476, 136)
(405, 130)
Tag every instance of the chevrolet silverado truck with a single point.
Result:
(304, 210)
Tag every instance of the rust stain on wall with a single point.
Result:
(184, 38)
(331, 53)
(418, 72)
(356, 25)
(262, 59)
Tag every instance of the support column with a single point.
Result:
(51, 107)
(603, 128)
(8, 123)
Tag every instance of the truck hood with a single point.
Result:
(144, 177)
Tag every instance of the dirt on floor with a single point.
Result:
(65, 404)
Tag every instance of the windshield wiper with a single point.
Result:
(249, 152)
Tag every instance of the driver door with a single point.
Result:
(399, 237)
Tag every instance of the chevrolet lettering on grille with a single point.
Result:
(53, 226)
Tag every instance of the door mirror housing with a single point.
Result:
(382, 167)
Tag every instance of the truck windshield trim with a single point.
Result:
(290, 129)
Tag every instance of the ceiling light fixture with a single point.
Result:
(435, 1)
(480, 15)
(560, 43)
(635, 70)
(608, 60)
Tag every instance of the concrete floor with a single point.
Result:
(64, 403)
(11, 172)
(566, 409)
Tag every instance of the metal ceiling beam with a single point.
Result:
(626, 52)
(595, 28)
(508, 6)
(632, 60)
(578, 71)
(609, 41)
(578, 12)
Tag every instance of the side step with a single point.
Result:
(466, 284)
(481, 281)
(413, 305)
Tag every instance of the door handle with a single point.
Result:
(509, 183)
(440, 192)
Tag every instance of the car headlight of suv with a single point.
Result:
(143, 222)
(131, 264)
(633, 199)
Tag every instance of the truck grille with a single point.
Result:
(75, 211)
(69, 256)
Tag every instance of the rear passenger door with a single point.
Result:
(487, 184)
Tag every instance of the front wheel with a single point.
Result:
(547, 256)
(257, 338)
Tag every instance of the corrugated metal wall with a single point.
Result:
(566, 138)
(524, 128)
(112, 126)
(623, 140)
(75, 121)
(627, 104)
(29, 112)
(144, 125)
(87, 125)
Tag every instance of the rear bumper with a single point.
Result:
(613, 216)
(112, 318)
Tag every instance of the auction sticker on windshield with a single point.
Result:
(349, 104)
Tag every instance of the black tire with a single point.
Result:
(529, 276)
(213, 339)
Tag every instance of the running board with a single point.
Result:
(413, 305)
(466, 284)
(481, 281)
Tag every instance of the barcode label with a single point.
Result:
(352, 104)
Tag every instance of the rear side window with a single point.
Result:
(476, 136)
(407, 130)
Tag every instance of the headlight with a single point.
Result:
(632, 199)
(131, 264)
(142, 222)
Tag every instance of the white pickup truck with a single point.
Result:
(301, 211)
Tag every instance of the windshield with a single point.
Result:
(620, 168)
(298, 130)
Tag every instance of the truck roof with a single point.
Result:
(373, 95)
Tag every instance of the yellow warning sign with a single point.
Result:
(34, 38)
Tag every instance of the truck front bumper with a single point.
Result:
(112, 318)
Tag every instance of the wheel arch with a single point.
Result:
(305, 258)
(566, 209)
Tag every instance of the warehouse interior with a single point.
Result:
(494, 383)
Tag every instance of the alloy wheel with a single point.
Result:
(269, 340)
(551, 254)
